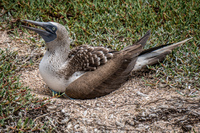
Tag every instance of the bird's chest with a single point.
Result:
(50, 77)
(56, 81)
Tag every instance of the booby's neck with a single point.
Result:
(58, 49)
(55, 57)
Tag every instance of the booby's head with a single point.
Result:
(52, 31)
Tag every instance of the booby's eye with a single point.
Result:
(53, 28)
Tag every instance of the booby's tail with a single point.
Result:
(154, 55)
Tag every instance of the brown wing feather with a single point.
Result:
(88, 58)
(107, 77)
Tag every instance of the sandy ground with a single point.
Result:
(134, 107)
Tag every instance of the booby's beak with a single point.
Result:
(49, 34)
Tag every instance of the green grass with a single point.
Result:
(15, 100)
(115, 24)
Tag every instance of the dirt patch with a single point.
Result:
(134, 107)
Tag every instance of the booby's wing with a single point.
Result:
(107, 76)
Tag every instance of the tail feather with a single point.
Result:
(135, 49)
(141, 41)
(144, 39)
(154, 55)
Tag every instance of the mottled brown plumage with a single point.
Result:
(88, 58)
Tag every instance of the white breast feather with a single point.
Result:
(54, 81)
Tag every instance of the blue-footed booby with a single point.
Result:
(87, 72)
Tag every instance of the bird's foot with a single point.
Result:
(60, 93)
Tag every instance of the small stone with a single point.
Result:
(63, 111)
(119, 124)
(141, 94)
(14, 48)
(69, 125)
(111, 116)
(65, 120)
(131, 123)
(152, 115)
(85, 113)
(187, 128)
(143, 119)
(163, 85)
(76, 126)
(52, 107)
